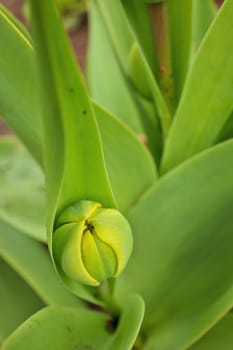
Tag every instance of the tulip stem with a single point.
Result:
(161, 34)
(105, 293)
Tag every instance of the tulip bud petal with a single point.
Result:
(91, 243)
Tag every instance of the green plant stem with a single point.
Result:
(160, 26)
(105, 293)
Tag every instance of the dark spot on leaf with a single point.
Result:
(112, 324)
(68, 329)
(70, 89)
(84, 111)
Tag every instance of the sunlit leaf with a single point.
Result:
(182, 259)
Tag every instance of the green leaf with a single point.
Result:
(22, 189)
(139, 18)
(219, 337)
(17, 300)
(129, 325)
(134, 110)
(15, 104)
(103, 66)
(71, 329)
(182, 258)
(131, 57)
(227, 130)
(203, 15)
(118, 155)
(127, 160)
(207, 98)
(180, 25)
(78, 328)
(31, 261)
(70, 128)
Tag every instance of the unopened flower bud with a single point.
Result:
(91, 243)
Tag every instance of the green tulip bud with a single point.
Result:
(91, 243)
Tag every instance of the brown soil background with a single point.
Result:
(79, 38)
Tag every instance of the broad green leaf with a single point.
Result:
(135, 166)
(145, 170)
(129, 324)
(61, 329)
(70, 128)
(18, 95)
(103, 67)
(180, 25)
(182, 259)
(22, 189)
(17, 300)
(203, 15)
(74, 163)
(219, 337)
(207, 97)
(131, 57)
(31, 261)
(80, 328)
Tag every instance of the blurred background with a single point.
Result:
(76, 23)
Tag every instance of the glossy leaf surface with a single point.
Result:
(207, 103)
(182, 260)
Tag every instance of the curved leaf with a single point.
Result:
(32, 262)
(203, 15)
(127, 160)
(17, 300)
(103, 66)
(15, 105)
(60, 329)
(131, 57)
(70, 128)
(205, 104)
(129, 324)
(116, 164)
(22, 189)
(219, 337)
(139, 18)
(182, 259)
(78, 328)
